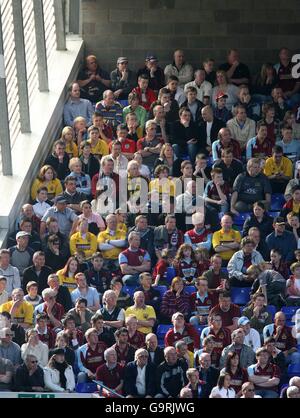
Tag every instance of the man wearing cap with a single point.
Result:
(154, 72)
(220, 110)
(180, 68)
(21, 254)
(34, 238)
(65, 216)
(200, 236)
(252, 337)
(123, 80)
(203, 87)
(282, 240)
(209, 129)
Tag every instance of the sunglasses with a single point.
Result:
(34, 362)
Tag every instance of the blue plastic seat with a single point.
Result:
(274, 214)
(200, 328)
(240, 295)
(289, 311)
(210, 162)
(129, 290)
(162, 289)
(171, 273)
(123, 103)
(240, 219)
(272, 310)
(190, 289)
(87, 387)
(294, 370)
(277, 201)
(161, 331)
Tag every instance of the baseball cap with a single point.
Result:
(177, 315)
(58, 351)
(151, 58)
(60, 199)
(243, 320)
(220, 95)
(279, 220)
(122, 59)
(22, 234)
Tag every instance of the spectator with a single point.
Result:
(279, 102)
(182, 331)
(38, 272)
(220, 110)
(134, 260)
(125, 351)
(259, 146)
(93, 80)
(29, 376)
(44, 332)
(193, 104)
(99, 147)
(111, 373)
(230, 167)
(278, 264)
(289, 120)
(21, 254)
(83, 240)
(223, 388)
(203, 87)
(86, 292)
(226, 241)
(264, 375)
(245, 353)
(258, 313)
(200, 236)
(184, 353)
(3, 292)
(215, 276)
(289, 85)
(292, 286)
(283, 337)
(90, 356)
(276, 356)
(32, 296)
(156, 353)
(90, 164)
(175, 300)
(34, 241)
(237, 72)
(81, 314)
(154, 72)
(241, 127)
(145, 94)
(209, 129)
(139, 376)
(135, 337)
(73, 335)
(228, 311)
(207, 374)
(250, 187)
(59, 375)
(123, 298)
(149, 147)
(180, 69)
(76, 106)
(170, 375)
(123, 80)
(202, 301)
(240, 261)
(8, 271)
(41, 202)
(67, 275)
(251, 336)
(145, 314)
(290, 145)
(225, 142)
(223, 86)
(104, 333)
(54, 310)
(167, 98)
(278, 169)
(292, 204)
(135, 107)
(109, 109)
(216, 193)
(20, 310)
(272, 122)
(152, 295)
(282, 240)
(252, 107)
(202, 169)
(167, 236)
(248, 391)
(259, 219)
(113, 316)
(8, 349)
(237, 373)
(62, 293)
(35, 347)
(210, 74)
(263, 83)
(47, 177)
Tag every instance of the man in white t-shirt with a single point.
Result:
(252, 337)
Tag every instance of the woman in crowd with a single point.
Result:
(61, 342)
(175, 300)
(238, 374)
(223, 86)
(223, 388)
(264, 83)
(54, 257)
(47, 177)
(58, 374)
(168, 158)
(68, 137)
(259, 219)
(67, 274)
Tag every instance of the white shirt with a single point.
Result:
(40, 208)
(141, 380)
(225, 393)
(204, 89)
(208, 131)
(253, 339)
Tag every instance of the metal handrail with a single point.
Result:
(102, 386)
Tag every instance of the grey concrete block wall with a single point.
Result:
(134, 28)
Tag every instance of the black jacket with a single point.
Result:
(200, 106)
(29, 274)
(69, 355)
(64, 298)
(130, 376)
(265, 227)
(176, 167)
(171, 379)
(210, 377)
(158, 357)
(92, 167)
(216, 126)
(24, 383)
(180, 134)
(62, 169)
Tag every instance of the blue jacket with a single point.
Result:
(130, 376)
(285, 243)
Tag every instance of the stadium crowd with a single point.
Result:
(159, 249)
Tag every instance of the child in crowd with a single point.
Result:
(32, 296)
(105, 131)
(68, 137)
(99, 147)
(221, 111)
(161, 267)
(185, 263)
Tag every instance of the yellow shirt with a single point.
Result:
(68, 282)
(122, 227)
(221, 236)
(88, 244)
(54, 188)
(112, 254)
(165, 186)
(71, 149)
(286, 166)
(142, 315)
(100, 149)
(24, 313)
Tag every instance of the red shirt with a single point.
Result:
(160, 268)
(238, 378)
(187, 269)
(189, 335)
(150, 97)
(110, 377)
(137, 340)
(203, 308)
(227, 317)
(270, 370)
(285, 341)
(264, 148)
(48, 338)
(126, 355)
(196, 237)
(127, 146)
(221, 340)
(57, 311)
(92, 359)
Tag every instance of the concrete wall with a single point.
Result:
(113, 28)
